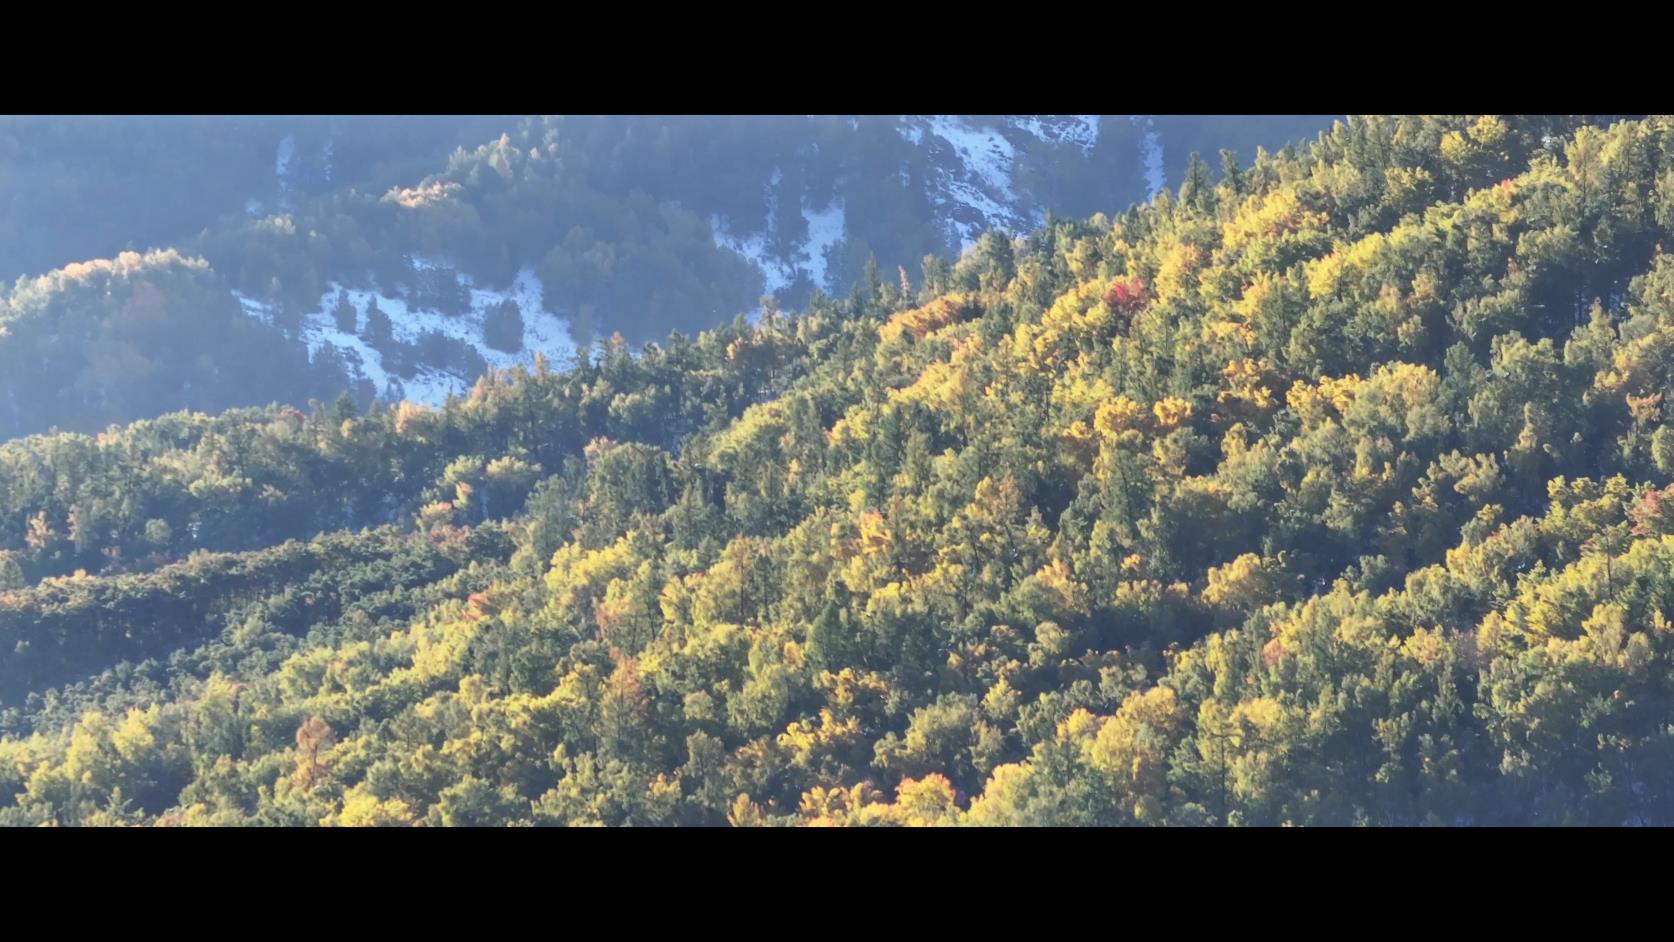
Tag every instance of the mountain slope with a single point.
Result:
(1336, 490)
(592, 225)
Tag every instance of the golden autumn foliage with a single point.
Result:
(1170, 412)
(1316, 491)
(1329, 397)
(923, 321)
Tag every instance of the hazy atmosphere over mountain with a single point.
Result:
(1053, 470)
(283, 259)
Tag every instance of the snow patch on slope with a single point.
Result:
(969, 178)
(1082, 130)
(973, 163)
(776, 275)
(825, 229)
(971, 168)
(983, 150)
(362, 361)
(542, 332)
(256, 309)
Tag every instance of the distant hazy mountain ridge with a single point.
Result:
(567, 229)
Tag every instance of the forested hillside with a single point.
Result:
(1333, 487)
(86, 187)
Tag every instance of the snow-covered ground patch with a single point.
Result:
(776, 274)
(983, 150)
(542, 333)
(1082, 130)
(971, 177)
(825, 228)
(254, 308)
(357, 355)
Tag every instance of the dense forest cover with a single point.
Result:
(1333, 487)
